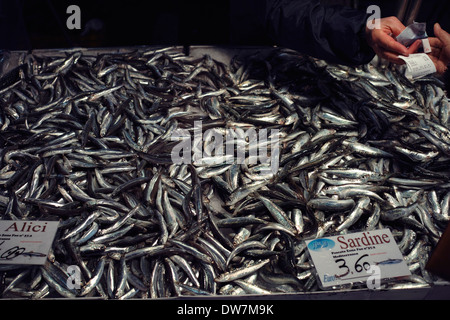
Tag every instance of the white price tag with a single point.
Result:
(357, 257)
(26, 242)
(418, 65)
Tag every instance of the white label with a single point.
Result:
(426, 45)
(418, 65)
(26, 242)
(357, 257)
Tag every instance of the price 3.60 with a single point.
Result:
(359, 266)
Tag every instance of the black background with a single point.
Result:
(36, 24)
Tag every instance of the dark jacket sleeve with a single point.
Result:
(332, 33)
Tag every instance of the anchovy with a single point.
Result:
(355, 214)
(242, 247)
(398, 212)
(329, 204)
(278, 214)
(94, 281)
(86, 139)
(251, 288)
(241, 272)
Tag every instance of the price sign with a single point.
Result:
(26, 242)
(355, 257)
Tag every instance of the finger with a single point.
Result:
(390, 44)
(414, 47)
(435, 42)
(441, 34)
(435, 52)
(394, 24)
(433, 58)
(391, 56)
(440, 66)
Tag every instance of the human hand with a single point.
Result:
(440, 49)
(383, 43)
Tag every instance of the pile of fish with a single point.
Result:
(87, 140)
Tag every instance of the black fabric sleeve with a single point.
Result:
(332, 33)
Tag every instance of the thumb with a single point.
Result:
(442, 34)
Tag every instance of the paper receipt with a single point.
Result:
(418, 65)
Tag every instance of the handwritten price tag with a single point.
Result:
(26, 242)
(353, 257)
